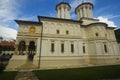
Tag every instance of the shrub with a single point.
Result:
(2, 67)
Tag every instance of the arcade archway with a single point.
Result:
(21, 48)
(31, 50)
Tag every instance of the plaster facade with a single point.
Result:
(64, 43)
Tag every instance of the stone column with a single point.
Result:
(16, 50)
(26, 51)
(88, 12)
(68, 13)
(84, 9)
(62, 9)
(91, 15)
(58, 13)
(78, 14)
(81, 13)
(65, 12)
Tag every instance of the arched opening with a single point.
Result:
(21, 48)
(31, 50)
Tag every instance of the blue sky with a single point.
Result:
(106, 10)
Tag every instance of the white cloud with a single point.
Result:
(106, 20)
(8, 33)
(8, 10)
(112, 16)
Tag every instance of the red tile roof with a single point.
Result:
(7, 43)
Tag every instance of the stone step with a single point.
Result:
(27, 65)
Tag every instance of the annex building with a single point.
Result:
(62, 42)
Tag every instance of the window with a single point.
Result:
(52, 47)
(62, 47)
(84, 48)
(105, 48)
(67, 32)
(72, 48)
(58, 32)
(105, 35)
(96, 34)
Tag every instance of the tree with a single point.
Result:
(1, 38)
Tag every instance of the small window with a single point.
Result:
(105, 35)
(72, 48)
(105, 48)
(67, 32)
(58, 32)
(62, 48)
(52, 47)
(96, 34)
(83, 49)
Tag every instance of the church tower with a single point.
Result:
(84, 10)
(63, 10)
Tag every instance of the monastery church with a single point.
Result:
(63, 43)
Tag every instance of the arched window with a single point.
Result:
(105, 48)
(96, 34)
(72, 48)
(52, 47)
(57, 31)
(84, 48)
(62, 47)
(21, 48)
(67, 32)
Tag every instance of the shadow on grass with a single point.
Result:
(88, 73)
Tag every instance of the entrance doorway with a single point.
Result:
(31, 50)
(21, 48)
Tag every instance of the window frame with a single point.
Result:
(52, 47)
(72, 47)
(62, 47)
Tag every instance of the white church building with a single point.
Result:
(60, 42)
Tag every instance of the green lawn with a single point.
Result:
(89, 73)
(8, 75)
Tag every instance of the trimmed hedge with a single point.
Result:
(8, 75)
(2, 67)
(88, 73)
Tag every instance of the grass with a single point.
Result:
(8, 75)
(89, 73)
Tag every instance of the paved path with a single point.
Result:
(26, 75)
